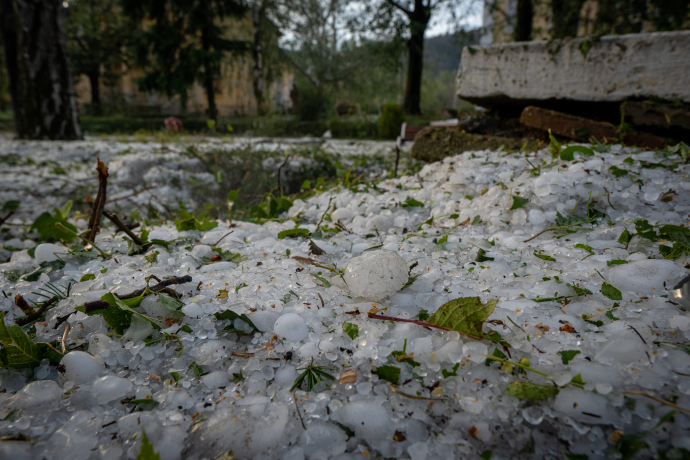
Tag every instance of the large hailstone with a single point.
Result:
(376, 274)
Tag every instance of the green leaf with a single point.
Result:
(293, 233)
(465, 315)
(18, 350)
(496, 354)
(170, 303)
(577, 381)
(410, 281)
(10, 205)
(146, 452)
(618, 172)
(388, 373)
(477, 220)
(45, 225)
(119, 313)
(454, 216)
(486, 455)
(544, 256)
(423, 315)
(145, 404)
(198, 371)
(442, 240)
(630, 444)
(625, 237)
(452, 373)
(87, 277)
(676, 233)
(611, 292)
(585, 247)
(681, 346)
(531, 391)
(323, 280)
(528, 448)
(568, 355)
(351, 330)
(481, 256)
(44, 267)
(568, 154)
(12, 415)
(232, 316)
(411, 202)
(579, 291)
(613, 263)
(518, 202)
(152, 258)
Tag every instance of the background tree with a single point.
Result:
(182, 42)
(43, 99)
(96, 40)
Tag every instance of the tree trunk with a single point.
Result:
(258, 81)
(43, 98)
(415, 48)
(523, 27)
(208, 78)
(9, 39)
(94, 80)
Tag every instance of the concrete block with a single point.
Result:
(609, 69)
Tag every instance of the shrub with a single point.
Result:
(392, 116)
(335, 126)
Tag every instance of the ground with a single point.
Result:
(554, 271)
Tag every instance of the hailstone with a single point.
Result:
(376, 274)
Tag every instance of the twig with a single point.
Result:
(280, 168)
(64, 338)
(324, 214)
(119, 224)
(6, 216)
(321, 298)
(101, 304)
(397, 159)
(608, 197)
(294, 398)
(37, 314)
(314, 249)
(99, 203)
(513, 363)
(659, 400)
(62, 228)
(242, 354)
(218, 242)
(562, 226)
(465, 222)
(421, 323)
(23, 304)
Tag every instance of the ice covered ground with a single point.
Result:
(201, 386)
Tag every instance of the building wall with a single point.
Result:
(234, 90)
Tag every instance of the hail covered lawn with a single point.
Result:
(288, 340)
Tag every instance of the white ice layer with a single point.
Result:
(211, 392)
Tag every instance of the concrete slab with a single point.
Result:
(609, 69)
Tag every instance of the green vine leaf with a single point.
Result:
(465, 315)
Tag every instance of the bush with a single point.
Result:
(392, 116)
(311, 103)
(335, 126)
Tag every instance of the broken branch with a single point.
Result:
(160, 287)
(99, 203)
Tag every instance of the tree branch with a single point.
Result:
(400, 7)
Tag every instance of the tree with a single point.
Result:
(183, 41)
(43, 99)
(96, 40)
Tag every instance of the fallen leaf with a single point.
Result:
(349, 376)
(542, 328)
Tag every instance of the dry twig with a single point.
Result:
(99, 202)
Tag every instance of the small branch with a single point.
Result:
(64, 338)
(62, 228)
(100, 304)
(324, 214)
(119, 224)
(99, 203)
(397, 159)
(421, 323)
(6, 216)
(294, 398)
(659, 400)
(37, 314)
(280, 168)
(561, 227)
(218, 242)
(23, 304)
(608, 197)
(130, 195)
(505, 361)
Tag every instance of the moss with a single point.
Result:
(434, 144)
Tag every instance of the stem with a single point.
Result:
(62, 228)
(119, 224)
(505, 361)
(324, 215)
(334, 270)
(421, 323)
(659, 400)
(558, 228)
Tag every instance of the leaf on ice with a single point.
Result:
(146, 452)
(324, 282)
(465, 315)
(232, 316)
(611, 263)
(611, 292)
(411, 202)
(518, 202)
(579, 291)
(18, 350)
(585, 247)
(568, 154)
(389, 373)
(119, 313)
(44, 267)
(568, 355)
(352, 330)
(293, 233)
(544, 256)
(531, 391)
(170, 303)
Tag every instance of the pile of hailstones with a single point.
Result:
(200, 386)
